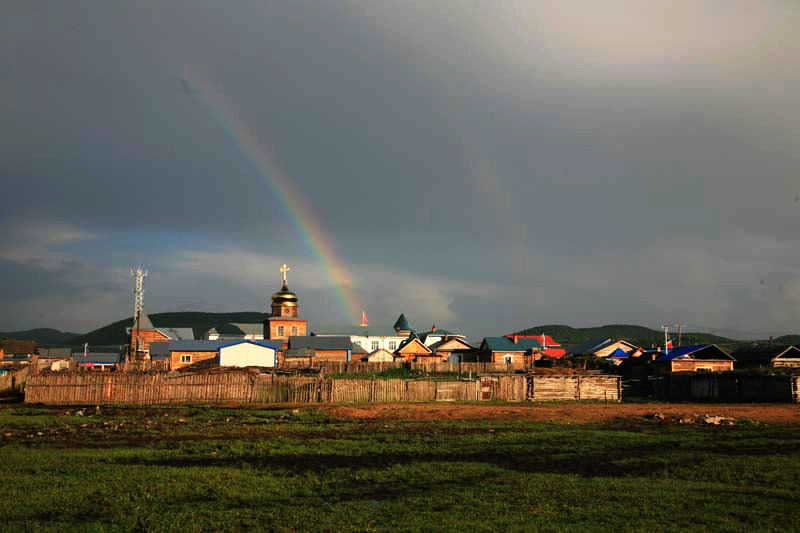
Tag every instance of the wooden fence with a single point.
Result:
(247, 387)
(560, 388)
(16, 378)
(358, 367)
(727, 388)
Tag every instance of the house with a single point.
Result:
(452, 350)
(19, 348)
(378, 356)
(253, 332)
(602, 347)
(767, 355)
(696, 358)
(437, 335)
(143, 333)
(371, 339)
(245, 353)
(413, 349)
(324, 348)
(502, 350)
(550, 348)
(240, 353)
(97, 361)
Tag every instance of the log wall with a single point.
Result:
(727, 388)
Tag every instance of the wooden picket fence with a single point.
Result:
(252, 388)
(727, 388)
(14, 377)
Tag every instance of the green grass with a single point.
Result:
(226, 469)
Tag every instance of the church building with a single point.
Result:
(285, 321)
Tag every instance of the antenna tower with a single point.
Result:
(138, 292)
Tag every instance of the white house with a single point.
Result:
(248, 353)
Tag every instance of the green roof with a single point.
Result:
(502, 344)
(402, 323)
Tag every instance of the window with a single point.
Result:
(186, 358)
(392, 345)
(509, 358)
(280, 331)
(375, 345)
(294, 330)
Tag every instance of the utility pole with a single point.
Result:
(666, 334)
(680, 332)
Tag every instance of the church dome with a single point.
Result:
(284, 297)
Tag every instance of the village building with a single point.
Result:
(502, 350)
(13, 349)
(378, 356)
(696, 358)
(374, 339)
(251, 332)
(452, 350)
(550, 348)
(285, 320)
(602, 347)
(95, 361)
(767, 356)
(413, 349)
(321, 348)
(143, 333)
(239, 353)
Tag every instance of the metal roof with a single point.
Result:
(401, 324)
(321, 342)
(619, 353)
(690, 351)
(591, 346)
(502, 344)
(178, 333)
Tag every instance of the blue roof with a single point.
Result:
(503, 344)
(675, 353)
(620, 353)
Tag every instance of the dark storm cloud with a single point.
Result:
(541, 150)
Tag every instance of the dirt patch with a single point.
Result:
(576, 413)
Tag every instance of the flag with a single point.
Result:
(669, 344)
(364, 319)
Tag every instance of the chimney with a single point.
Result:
(433, 328)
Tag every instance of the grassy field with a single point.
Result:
(215, 469)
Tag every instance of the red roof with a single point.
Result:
(555, 352)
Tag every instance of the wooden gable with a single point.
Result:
(454, 344)
(415, 347)
(380, 355)
(792, 352)
(606, 351)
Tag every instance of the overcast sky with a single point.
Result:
(482, 166)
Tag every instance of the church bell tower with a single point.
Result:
(285, 320)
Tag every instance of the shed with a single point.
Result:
(249, 353)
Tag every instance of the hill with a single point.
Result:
(787, 339)
(569, 336)
(42, 336)
(199, 322)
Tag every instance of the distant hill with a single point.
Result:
(787, 339)
(569, 336)
(42, 336)
(199, 322)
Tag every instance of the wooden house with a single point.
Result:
(696, 358)
(602, 347)
(502, 350)
(452, 350)
(767, 355)
(413, 349)
(337, 348)
(240, 353)
(380, 355)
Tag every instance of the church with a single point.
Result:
(285, 320)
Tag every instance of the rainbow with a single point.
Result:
(298, 212)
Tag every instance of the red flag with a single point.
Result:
(364, 319)
(669, 344)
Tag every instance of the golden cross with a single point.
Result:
(284, 270)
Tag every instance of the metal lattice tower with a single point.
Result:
(138, 292)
